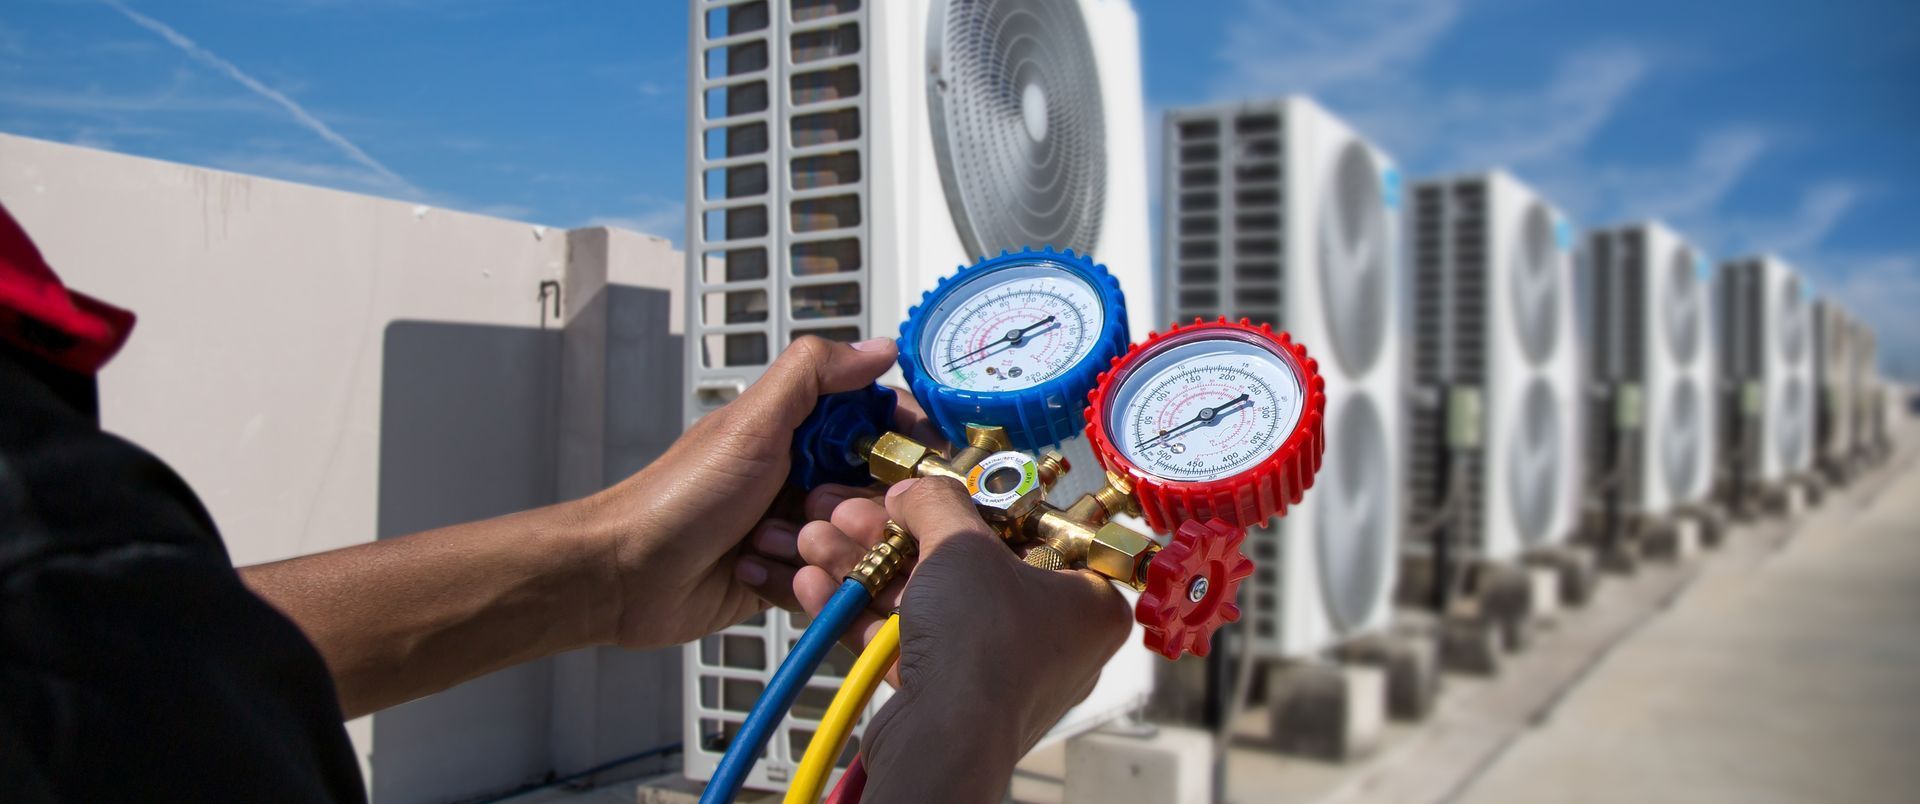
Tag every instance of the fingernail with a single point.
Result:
(901, 486)
(873, 345)
(750, 571)
(775, 539)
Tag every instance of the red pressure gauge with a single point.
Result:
(1216, 420)
(1217, 426)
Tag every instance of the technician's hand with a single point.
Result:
(993, 651)
(691, 548)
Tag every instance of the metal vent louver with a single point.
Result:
(1355, 527)
(1353, 258)
(1534, 452)
(1536, 285)
(1018, 127)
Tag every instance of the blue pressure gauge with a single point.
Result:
(1015, 341)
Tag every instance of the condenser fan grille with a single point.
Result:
(1533, 479)
(1535, 285)
(1682, 446)
(1018, 127)
(1354, 530)
(1682, 303)
(1353, 259)
(1791, 427)
(1793, 321)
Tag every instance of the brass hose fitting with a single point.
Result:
(877, 568)
(1052, 466)
(1055, 538)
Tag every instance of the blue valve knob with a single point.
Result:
(826, 445)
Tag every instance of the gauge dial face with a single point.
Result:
(1205, 408)
(1012, 328)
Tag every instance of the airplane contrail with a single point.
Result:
(300, 114)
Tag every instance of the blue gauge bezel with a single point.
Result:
(1045, 414)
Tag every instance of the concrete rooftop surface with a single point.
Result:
(1782, 666)
(1795, 677)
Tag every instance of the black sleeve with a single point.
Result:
(134, 665)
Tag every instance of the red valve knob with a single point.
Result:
(1248, 498)
(1191, 587)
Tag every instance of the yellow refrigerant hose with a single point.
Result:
(837, 725)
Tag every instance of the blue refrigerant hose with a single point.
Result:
(787, 682)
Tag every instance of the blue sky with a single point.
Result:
(1784, 126)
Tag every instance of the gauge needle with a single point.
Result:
(1012, 336)
(1205, 415)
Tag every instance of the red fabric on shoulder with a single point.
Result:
(40, 316)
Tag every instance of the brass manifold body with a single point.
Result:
(1045, 535)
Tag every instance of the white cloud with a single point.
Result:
(300, 114)
(1821, 208)
(92, 102)
(1554, 122)
(1276, 47)
(1684, 194)
(1362, 59)
(1365, 60)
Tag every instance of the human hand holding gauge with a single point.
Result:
(1205, 430)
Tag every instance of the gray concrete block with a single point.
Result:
(1677, 542)
(1543, 589)
(1411, 660)
(1509, 600)
(1325, 711)
(1578, 568)
(1470, 646)
(1170, 765)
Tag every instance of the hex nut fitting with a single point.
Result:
(1117, 552)
(1006, 487)
(1117, 495)
(893, 458)
(988, 438)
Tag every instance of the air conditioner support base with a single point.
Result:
(1577, 568)
(1712, 521)
(1675, 540)
(1326, 711)
(1409, 654)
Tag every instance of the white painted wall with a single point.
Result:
(260, 370)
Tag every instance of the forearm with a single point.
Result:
(401, 618)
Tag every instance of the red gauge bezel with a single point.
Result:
(1249, 499)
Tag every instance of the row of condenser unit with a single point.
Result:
(1500, 386)
(1506, 392)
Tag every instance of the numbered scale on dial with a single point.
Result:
(1017, 341)
(1212, 420)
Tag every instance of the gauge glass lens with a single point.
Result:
(1012, 328)
(1205, 409)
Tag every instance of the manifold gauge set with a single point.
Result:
(1203, 430)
